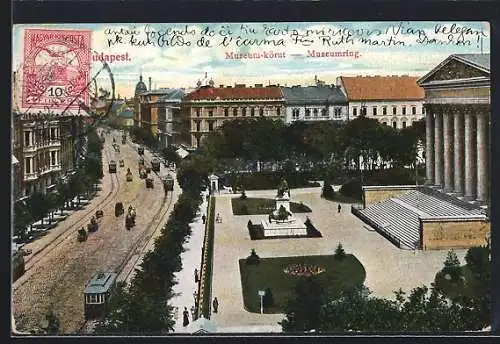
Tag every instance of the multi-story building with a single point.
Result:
(392, 100)
(314, 103)
(149, 106)
(139, 88)
(45, 147)
(171, 125)
(208, 107)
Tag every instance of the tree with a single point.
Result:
(339, 252)
(327, 191)
(303, 311)
(22, 218)
(452, 266)
(268, 299)
(38, 205)
(52, 327)
(478, 260)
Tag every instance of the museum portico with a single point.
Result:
(458, 117)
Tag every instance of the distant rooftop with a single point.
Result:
(313, 95)
(100, 283)
(378, 87)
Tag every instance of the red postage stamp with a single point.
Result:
(56, 69)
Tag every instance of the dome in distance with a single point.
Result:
(140, 87)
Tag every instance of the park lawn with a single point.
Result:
(339, 275)
(263, 206)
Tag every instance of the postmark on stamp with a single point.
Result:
(56, 68)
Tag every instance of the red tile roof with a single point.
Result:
(226, 93)
(382, 88)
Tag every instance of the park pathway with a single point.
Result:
(191, 260)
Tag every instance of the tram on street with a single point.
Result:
(155, 165)
(112, 166)
(168, 183)
(149, 183)
(97, 293)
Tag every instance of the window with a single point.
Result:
(261, 112)
(210, 113)
(413, 110)
(423, 110)
(278, 111)
(210, 126)
(404, 110)
(338, 112)
(235, 112)
(384, 123)
(226, 112)
(384, 110)
(197, 126)
(27, 140)
(53, 158)
(295, 113)
(363, 111)
(198, 112)
(27, 165)
(404, 125)
(315, 111)
(244, 111)
(394, 125)
(308, 112)
(374, 111)
(252, 112)
(354, 111)
(324, 113)
(393, 110)
(52, 134)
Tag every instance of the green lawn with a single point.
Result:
(263, 206)
(339, 275)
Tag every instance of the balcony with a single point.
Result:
(30, 176)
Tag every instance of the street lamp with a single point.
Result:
(261, 294)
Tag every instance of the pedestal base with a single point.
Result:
(291, 228)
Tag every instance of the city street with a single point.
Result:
(60, 266)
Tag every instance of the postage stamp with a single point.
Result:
(56, 68)
(259, 177)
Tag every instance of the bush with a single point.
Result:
(477, 259)
(244, 210)
(327, 191)
(339, 253)
(253, 258)
(352, 189)
(250, 224)
(268, 299)
(452, 266)
(243, 195)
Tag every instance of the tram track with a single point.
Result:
(70, 231)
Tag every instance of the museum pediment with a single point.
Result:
(453, 70)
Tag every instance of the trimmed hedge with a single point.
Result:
(268, 180)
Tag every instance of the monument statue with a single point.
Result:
(283, 190)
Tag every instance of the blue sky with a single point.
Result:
(414, 50)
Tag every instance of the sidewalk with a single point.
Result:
(191, 259)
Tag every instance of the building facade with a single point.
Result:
(458, 122)
(396, 101)
(149, 108)
(209, 107)
(314, 103)
(46, 149)
(139, 88)
(171, 125)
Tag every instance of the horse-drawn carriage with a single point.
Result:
(155, 165)
(140, 150)
(119, 209)
(112, 166)
(130, 218)
(141, 161)
(142, 172)
(124, 139)
(122, 163)
(99, 214)
(149, 182)
(129, 175)
(168, 183)
(82, 235)
(93, 225)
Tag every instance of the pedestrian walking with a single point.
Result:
(203, 218)
(215, 305)
(185, 317)
(196, 277)
(195, 296)
(193, 313)
(339, 208)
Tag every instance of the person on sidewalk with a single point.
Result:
(185, 318)
(203, 218)
(215, 305)
(196, 278)
(339, 208)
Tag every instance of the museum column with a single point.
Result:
(482, 158)
(458, 148)
(438, 149)
(447, 150)
(469, 148)
(429, 147)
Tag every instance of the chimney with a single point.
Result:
(258, 85)
(221, 86)
(150, 83)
